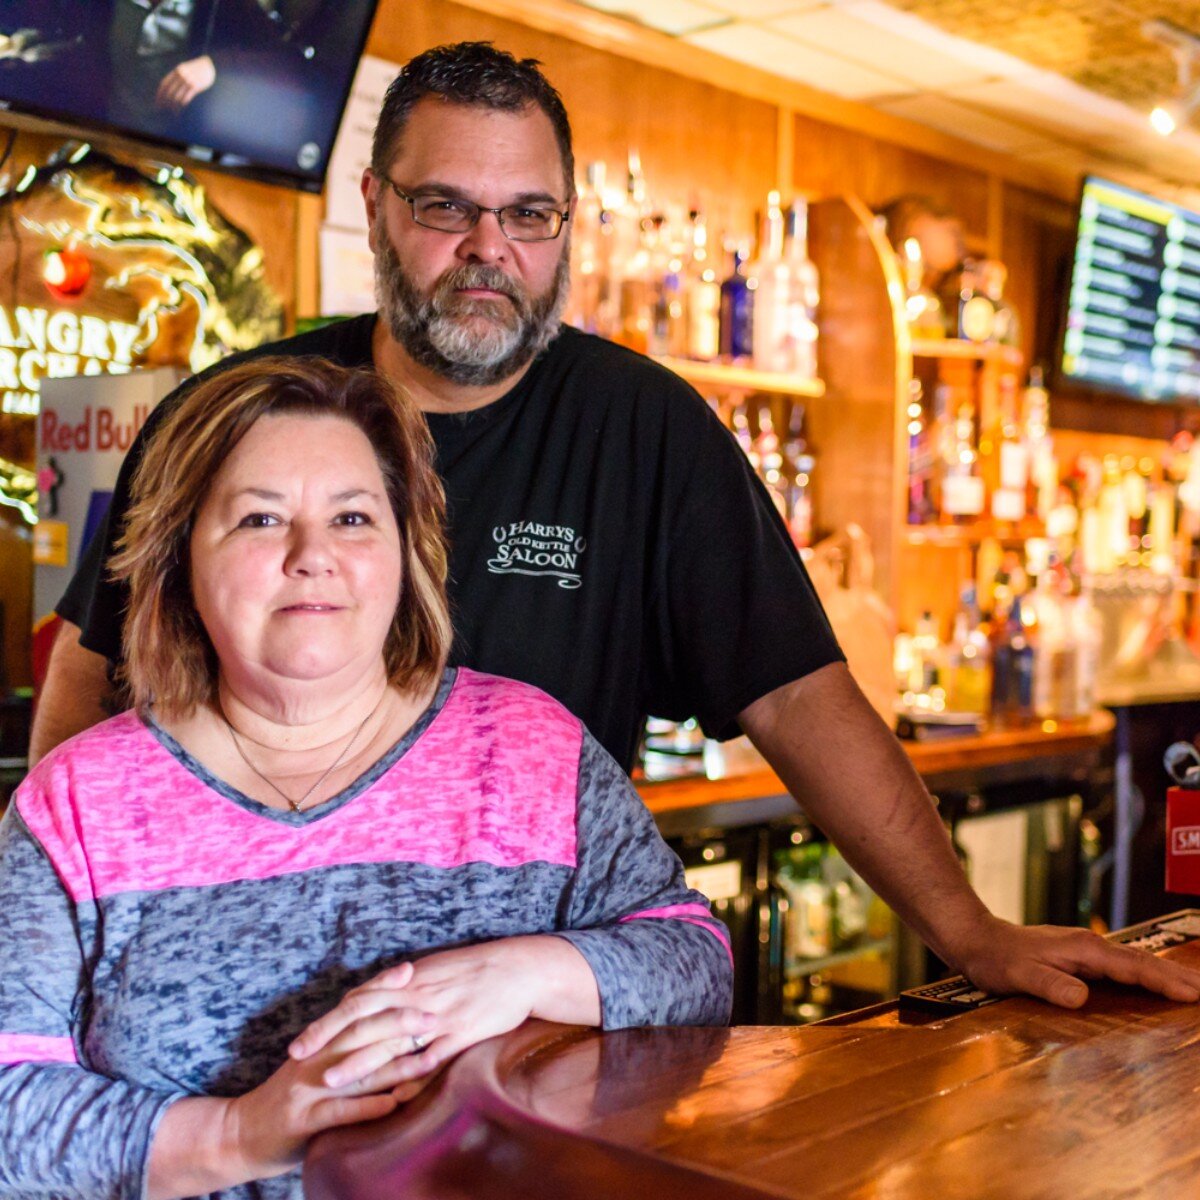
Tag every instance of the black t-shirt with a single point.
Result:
(609, 544)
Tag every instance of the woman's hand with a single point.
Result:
(205, 1145)
(468, 994)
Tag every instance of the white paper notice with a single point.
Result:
(997, 846)
(347, 275)
(352, 149)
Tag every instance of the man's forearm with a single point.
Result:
(854, 780)
(73, 697)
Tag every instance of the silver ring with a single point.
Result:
(420, 1041)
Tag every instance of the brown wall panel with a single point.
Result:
(696, 142)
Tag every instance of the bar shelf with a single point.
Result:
(725, 377)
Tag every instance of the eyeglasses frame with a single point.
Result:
(564, 215)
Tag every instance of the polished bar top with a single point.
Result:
(1015, 1101)
(992, 748)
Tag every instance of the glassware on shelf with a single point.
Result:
(737, 310)
(922, 308)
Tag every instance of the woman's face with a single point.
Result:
(295, 555)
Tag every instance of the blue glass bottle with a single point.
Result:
(737, 312)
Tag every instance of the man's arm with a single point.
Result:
(74, 695)
(854, 780)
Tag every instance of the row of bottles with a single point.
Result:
(1034, 654)
(783, 459)
(960, 472)
(654, 279)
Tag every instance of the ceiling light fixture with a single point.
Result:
(1185, 47)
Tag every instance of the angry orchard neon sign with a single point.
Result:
(40, 343)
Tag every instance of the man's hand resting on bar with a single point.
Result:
(1051, 962)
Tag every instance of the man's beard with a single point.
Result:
(463, 339)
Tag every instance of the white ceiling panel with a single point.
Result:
(772, 51)
(757, 10)
(843, 32)
(669, 16)
(973, 56)
(1047, 102)
(963, 121)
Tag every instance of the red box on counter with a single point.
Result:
(1183, 840)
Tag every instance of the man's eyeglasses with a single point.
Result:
(518, 222)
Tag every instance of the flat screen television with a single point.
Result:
(256, 87)
(1132, 322)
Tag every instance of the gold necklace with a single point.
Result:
(296, 805)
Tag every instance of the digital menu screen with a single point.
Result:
(1133, 312)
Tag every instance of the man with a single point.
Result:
(608, 541)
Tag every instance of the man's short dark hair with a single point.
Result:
(473, 74)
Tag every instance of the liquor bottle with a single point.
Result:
(799, 464)
(976, 312)
(1009, 456)
(962, 489)
(994, 277)
(1113, 512)
(922, 309)
(590, 247)
(632, 276)
(701, 296)
(921, 503)
(737, 311)
(770, 347)
(926, 655)
(769, 459)
(805, 293)
(1055, 659)
(1042, 471)
(1012, 661)
(808, 924)
(668, 327)
(968, 660)
(1087, 635)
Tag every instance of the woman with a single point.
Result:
(311, 864)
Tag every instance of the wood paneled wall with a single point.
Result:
(695, 141)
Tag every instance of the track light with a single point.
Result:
(1185, 48)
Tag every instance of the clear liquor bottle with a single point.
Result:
(590, 248)
(701, 296)
(804, 294)
(770, 344)
(962, 487)
(922, 309)
(800, 463)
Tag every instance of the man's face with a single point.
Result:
(473, 307)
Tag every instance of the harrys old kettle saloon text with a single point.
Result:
(528, 548)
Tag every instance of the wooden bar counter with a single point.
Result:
(1015, 1101)
(1051, 750)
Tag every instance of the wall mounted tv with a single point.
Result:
(256, 87)
(1132, 325)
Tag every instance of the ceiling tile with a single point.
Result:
(669, 16)
(756, 10)
(977, 56)
(964, 121)
(772, 51)
(1048, 102)
(844, 31)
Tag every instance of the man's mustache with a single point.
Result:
(491, 279)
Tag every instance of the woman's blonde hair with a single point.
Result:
(169, 659)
